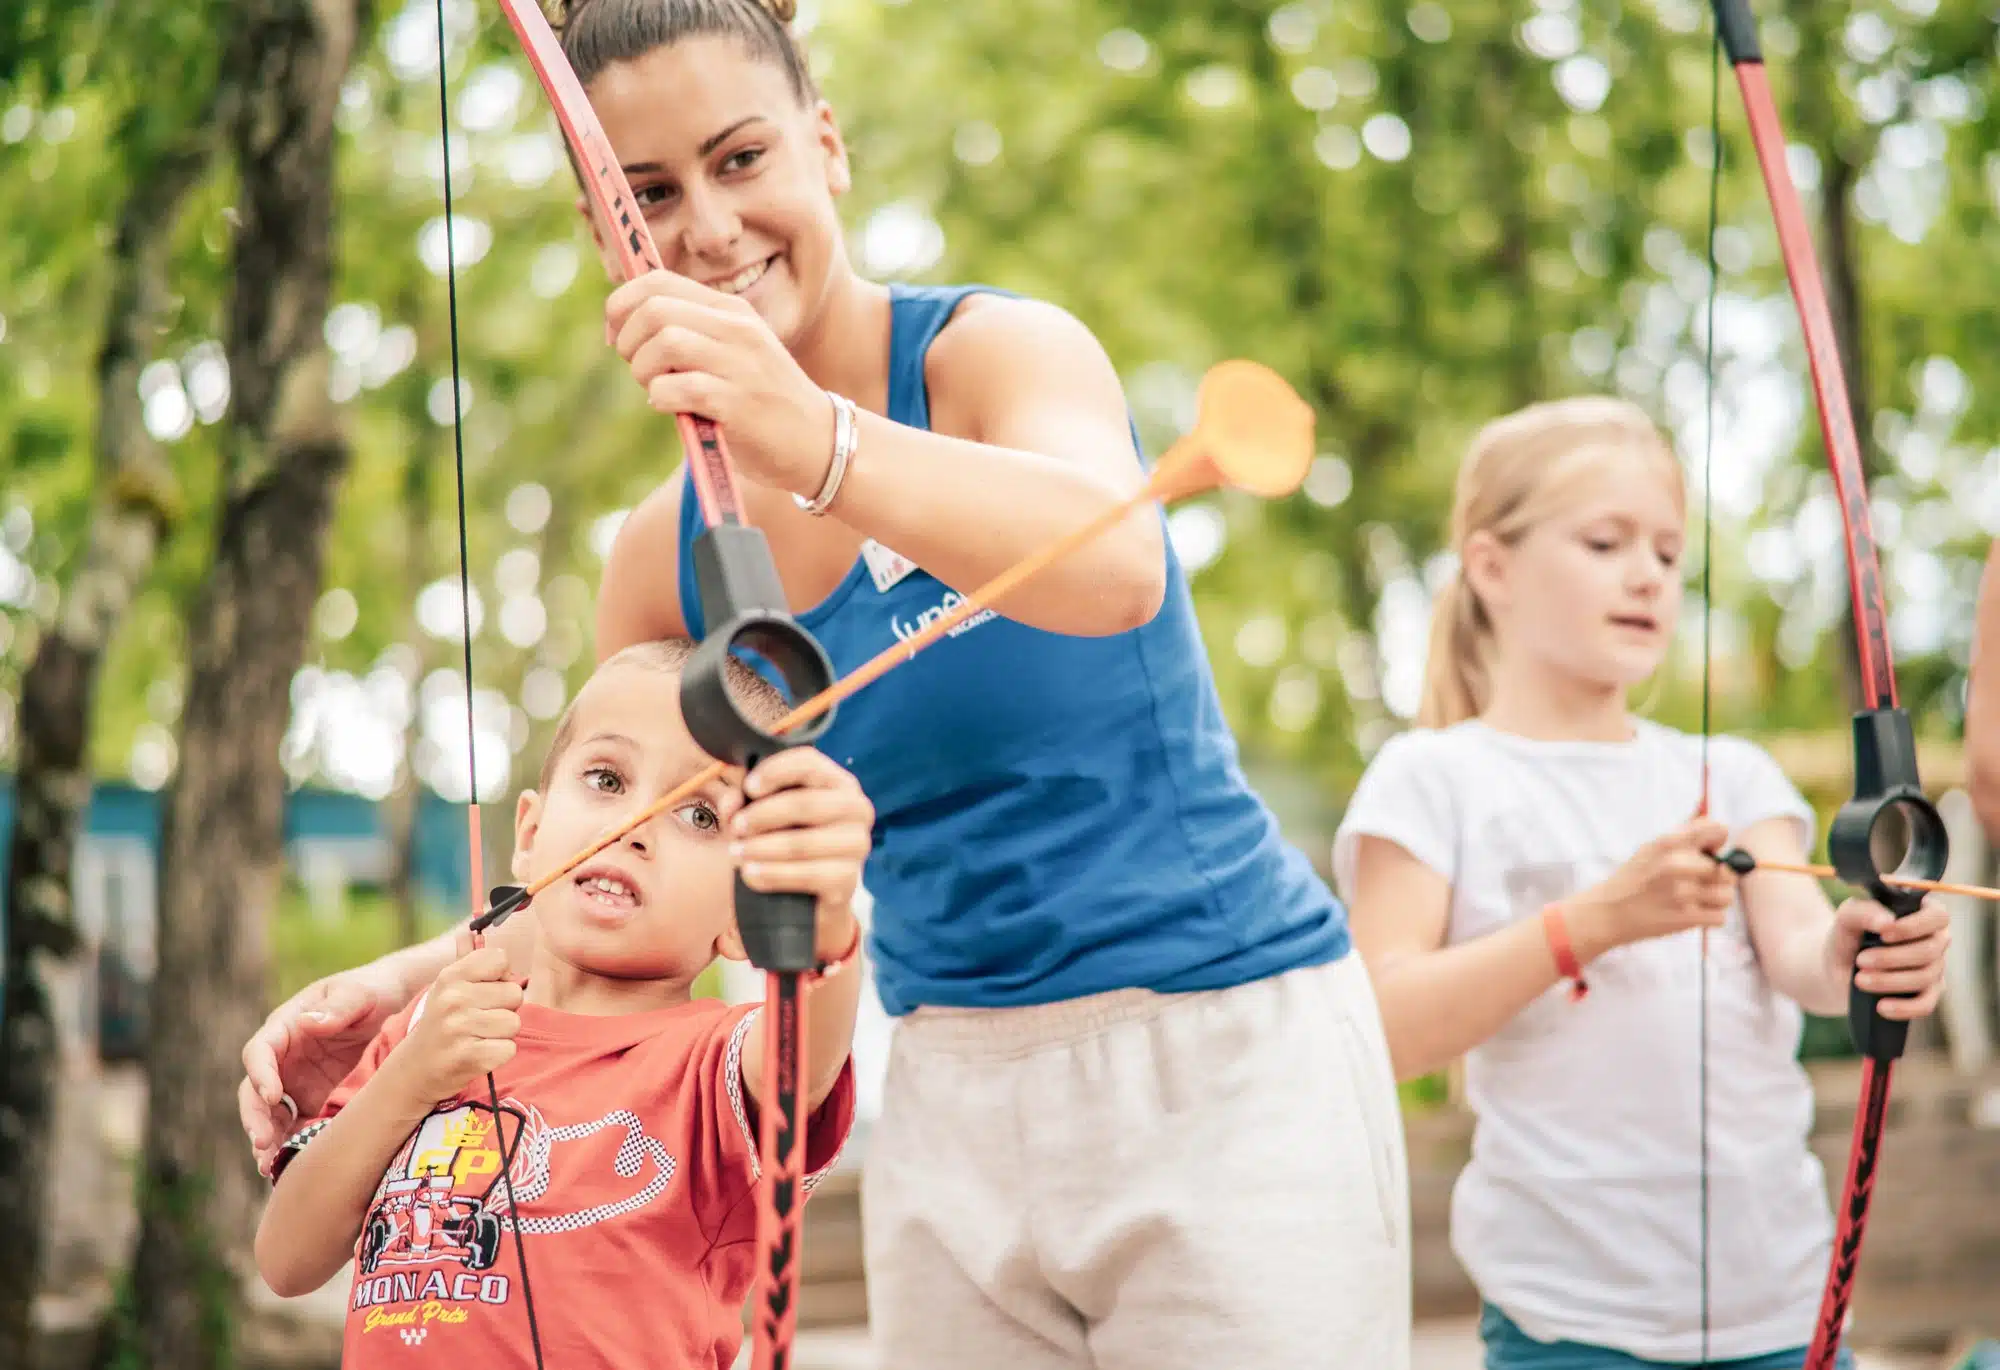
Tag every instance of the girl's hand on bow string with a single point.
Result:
(697, 350)
(1669, 885)
(1909, 962)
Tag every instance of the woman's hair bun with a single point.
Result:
(784, 11)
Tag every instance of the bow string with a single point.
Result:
(475, 855)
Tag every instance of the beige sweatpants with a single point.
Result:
(1136, 1181)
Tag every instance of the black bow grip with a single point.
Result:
(1885, 785)
(744, 605)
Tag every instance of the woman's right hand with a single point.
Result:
(1669, 885)
(307, 1047)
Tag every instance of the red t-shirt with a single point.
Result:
(634, 1163)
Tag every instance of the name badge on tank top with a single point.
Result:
(885, 566)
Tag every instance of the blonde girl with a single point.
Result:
(1529, 876)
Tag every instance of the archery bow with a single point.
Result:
(1254, 433)
(1886, 784)
(744, 604)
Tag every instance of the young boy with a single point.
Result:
(626, 1119)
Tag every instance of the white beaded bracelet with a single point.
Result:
(845, 433)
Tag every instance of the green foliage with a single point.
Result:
(52, 51)
(1426, 215)
(1411, 211)
(307, 945)
(1423, 214)
(1424, 1093)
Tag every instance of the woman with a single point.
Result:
(1139, 1111)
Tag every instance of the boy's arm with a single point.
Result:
(806, 828)
(461, 1028)
(830, 1007)
(309, 1227)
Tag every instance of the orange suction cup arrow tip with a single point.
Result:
(1252, 432)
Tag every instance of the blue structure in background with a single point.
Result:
(333, 842)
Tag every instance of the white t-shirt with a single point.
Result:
(1579, 1214)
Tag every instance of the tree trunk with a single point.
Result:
(220, 881)
(134, 508)
(400, 815)
(222, 861)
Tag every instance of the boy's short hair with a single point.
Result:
(760, 698)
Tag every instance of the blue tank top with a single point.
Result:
(1056, 816)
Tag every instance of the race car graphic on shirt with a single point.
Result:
(437, 1197)
(434, 1200)
(443, 1204)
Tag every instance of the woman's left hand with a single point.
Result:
(699, 351)
(1910, 961)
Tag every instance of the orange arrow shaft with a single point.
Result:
(1906, 882)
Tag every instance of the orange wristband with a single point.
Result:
(1557, 931)
(826, 970)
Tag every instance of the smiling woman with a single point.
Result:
(1121, 996)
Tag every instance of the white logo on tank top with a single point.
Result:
(906, 629)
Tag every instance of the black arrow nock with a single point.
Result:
(501, 902)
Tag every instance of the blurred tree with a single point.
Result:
(1401, 207)
(279, 79)
(156, 154)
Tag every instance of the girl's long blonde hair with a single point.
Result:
(1520, 469)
